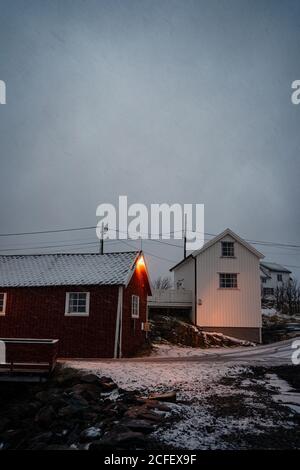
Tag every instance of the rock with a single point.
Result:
(52, 397)
(139, 425)
(123, 440)
(4, 423)
(70, 411)
(58, 447)
(42, 438)
(107, 384)
(154, 404)
(45, 416)
(88, 391)
(45, 396)
(89, 379)
(90, 434)
(168, 396)
(78, 401)
(142, 412)
(11, 438)
(150, 415)
(66, 376)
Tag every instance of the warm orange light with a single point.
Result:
(141, 262)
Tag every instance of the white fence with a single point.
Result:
(171, 298)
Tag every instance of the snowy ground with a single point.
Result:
(221, 404)
(166, 349)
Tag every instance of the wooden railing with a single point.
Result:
(28, 356)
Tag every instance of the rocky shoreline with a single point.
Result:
(76, 410)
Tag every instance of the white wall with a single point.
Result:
(185, 272)
(228, 307)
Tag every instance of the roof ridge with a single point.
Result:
(69, 254)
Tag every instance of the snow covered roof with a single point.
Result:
(66, 269)
(275, 267)
(264, 273)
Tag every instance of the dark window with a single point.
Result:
(279, 277)
(264, 280)
(268, 291)
(228, 249)
(228, 280)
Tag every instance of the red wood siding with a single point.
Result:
(40, 313)
(132, 335)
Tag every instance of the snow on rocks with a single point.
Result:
(215, 402)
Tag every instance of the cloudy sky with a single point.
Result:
(164, 101)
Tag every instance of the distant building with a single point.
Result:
(272, 276)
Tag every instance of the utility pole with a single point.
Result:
(184, 238)
(103, 229)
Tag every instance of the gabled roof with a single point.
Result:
(217, 239)
(264, 272)
(67, 269)
(275, 267)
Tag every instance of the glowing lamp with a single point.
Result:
(141, 262)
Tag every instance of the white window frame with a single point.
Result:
(77, 314)
(3, 311)
(226, 287)
(135, 306)
(223, 249)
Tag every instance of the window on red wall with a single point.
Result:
(2, 303)
(135, 306)
(77, 303)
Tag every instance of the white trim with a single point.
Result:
(235, 237)
(215, 240)
(3, 311)
(77, 314)
(135, 306)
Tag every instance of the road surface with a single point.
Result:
(271, 354)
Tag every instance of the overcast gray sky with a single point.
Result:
(164, 101)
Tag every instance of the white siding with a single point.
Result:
(228, 307)
(186, 272)
(273, 282)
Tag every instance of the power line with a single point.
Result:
(151, 254)
(40, 232)
(54, 246)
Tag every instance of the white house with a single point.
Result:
(272, 275)
(224, 277)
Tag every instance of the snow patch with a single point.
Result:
(286, 396)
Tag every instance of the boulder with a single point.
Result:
(89, 391)
(168, 396)
(45, 416)
(90, 434)
(139, 425)
(122, 440)
(89, 379)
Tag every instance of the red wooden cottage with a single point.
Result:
(95, 305)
